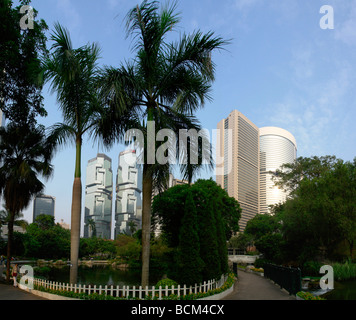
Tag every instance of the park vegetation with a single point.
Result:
(317, 223)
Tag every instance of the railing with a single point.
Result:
(289, 279)
(134, 292)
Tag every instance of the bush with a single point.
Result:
(311, 268)
(308, 296)
(166, 282)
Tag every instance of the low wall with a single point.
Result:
(243, 259)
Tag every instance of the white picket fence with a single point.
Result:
(133, 292)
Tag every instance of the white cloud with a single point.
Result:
(313, 115)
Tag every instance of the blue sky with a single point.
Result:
(281, 69)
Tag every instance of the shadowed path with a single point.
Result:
(250, 286)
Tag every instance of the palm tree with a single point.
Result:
(165, 84)
(25, 153)
(92, 228)
(73, 74)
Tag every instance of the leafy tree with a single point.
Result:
(165, 84)
(212, 224)
(261, 225)
(20, 55)
(73, 76)
(189, 262)
(47, 240)
(290, 175)
(321, 211)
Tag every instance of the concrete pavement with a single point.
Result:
(250, 286)
(9, 292)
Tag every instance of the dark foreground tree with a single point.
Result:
(25, 154)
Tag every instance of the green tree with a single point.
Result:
(73, 76)
(47, 240)
(190, 264)
(213, 225)
(92, 227)
(321, 211)
(290, 175)
(162, 88)
(25, 154)
(20, 55)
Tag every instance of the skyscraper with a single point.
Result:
(128, 208)
(277, 147)
(249, 156)
(240, 178)
(98, 197)
(43, 205)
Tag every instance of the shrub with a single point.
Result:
(166, 282)
(308, 296)
(311, 268)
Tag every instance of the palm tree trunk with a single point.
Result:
(76, 215)
(10, 234)
(146, 225)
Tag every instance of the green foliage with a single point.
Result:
(190, 263)
(166, 282)
(308, 296)
(128, 249)
(46, 240)
(344, 271)
(96, 248)
(311, 268)
(20, 55)
(216, 219)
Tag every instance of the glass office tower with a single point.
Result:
(43, 204)
(98, 198)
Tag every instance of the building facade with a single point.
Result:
(43, 204)
(128, 205)
(277, 147)
(240, 178)
(98, 198)
(249, 156)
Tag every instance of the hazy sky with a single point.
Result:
(281, 69)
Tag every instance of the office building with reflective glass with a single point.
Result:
(43, 204)
(277, 147)
(98, 197)
(248, 156)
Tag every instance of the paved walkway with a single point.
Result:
(250, 286)
(9, 292)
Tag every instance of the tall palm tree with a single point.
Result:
(165, 84)
(25, 153)
(73, 74)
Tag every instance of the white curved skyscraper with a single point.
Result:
(277, 147)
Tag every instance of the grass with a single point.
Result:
(344, 271)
